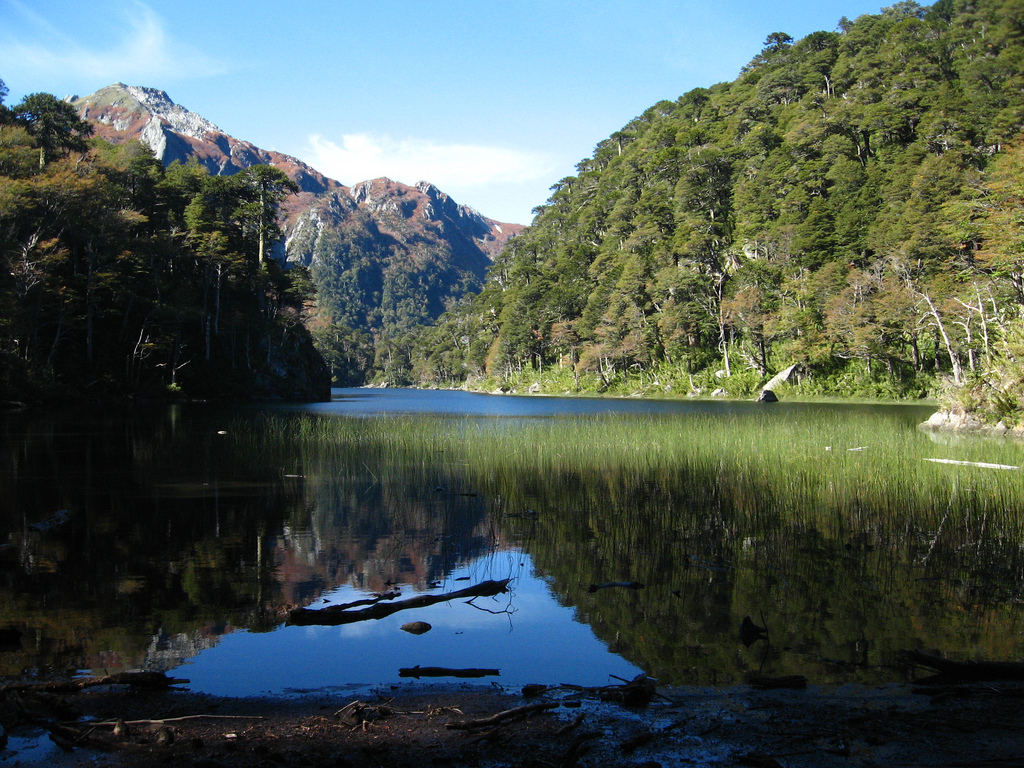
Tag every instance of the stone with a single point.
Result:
(417, 627)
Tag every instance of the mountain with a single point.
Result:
(385, 257)
(121, 112)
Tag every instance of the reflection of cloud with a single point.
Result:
(144, 51)
(362, 156)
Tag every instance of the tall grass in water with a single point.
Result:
(735, 514)
(837, 474)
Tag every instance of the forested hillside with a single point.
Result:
(384, 257)
(119, 278)
(850, 203)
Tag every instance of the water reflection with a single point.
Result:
(191, 531)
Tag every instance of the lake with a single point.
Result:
(181, 538)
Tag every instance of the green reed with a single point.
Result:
(833, 524)
(834, 472)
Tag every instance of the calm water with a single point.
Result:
(185, 544)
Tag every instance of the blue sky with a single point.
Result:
(491, 101)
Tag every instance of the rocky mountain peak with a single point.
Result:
(138, 100)
(378, 242)
(122, 112)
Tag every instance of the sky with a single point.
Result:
(492, 102)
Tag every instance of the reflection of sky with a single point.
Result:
(539, 642)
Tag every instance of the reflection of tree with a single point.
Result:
(175, 529)
(839, 603)
(225, 530)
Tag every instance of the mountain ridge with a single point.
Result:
(385, 256)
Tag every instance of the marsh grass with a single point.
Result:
(835, 473)
(734, 514)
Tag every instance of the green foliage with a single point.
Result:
(118, 278)
(53, 124)
(800, 213)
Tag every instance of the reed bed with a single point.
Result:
(835, 524)
(831, 472)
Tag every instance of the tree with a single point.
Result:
(54, 125)
(265, 187)
(798, 212)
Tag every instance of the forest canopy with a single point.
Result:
(121, 278)
(849, 204)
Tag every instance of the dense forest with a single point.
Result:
(121, 278)
(850, 204)
(847, 209)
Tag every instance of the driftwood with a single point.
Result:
(419, 672)
(135, 679)
(609, 584)
(637, 692)
(366, 601)
(983, 464)
(949, 671)
(576, 723)
(518, 713)
(331, 617)
(166, 720)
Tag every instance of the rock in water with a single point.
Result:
(750, 633)
(767, 396)
(416, 627)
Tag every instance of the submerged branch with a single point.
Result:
(143, 679)
(328, 617)
(419, 672)
(950, 671)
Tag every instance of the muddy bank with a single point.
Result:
(902, 724)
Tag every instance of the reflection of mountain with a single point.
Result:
(175, 528)
(167, 651)
(175, 534)
(369, 535)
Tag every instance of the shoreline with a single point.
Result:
(960, 422)
(894, 724)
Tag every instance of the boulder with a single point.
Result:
(767, 396)
(782, 377)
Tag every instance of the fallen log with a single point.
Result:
(610, 584)
(949, 671)
(367, 601)
(419, 672)
(166, 720)
(516, 713)
(637, 692)
(326, 617)
(142, 679)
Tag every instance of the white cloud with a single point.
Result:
(143, 52)
(362, 156)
